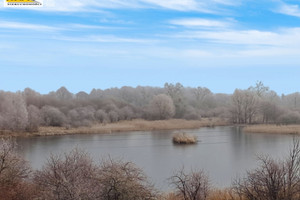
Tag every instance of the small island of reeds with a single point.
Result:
(184, 138)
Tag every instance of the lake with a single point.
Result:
(223, 152)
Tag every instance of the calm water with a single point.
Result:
(224, 152)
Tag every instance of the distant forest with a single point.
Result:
(27, 110)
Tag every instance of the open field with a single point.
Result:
(123, 126)
(276, 129)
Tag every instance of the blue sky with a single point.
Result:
(219, 44)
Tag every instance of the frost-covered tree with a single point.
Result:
(13, 110)
(52, 116)
(101, 116)
(162, 107)
(34, 118)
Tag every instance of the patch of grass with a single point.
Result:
(184, 138)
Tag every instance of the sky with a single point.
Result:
(86, 44)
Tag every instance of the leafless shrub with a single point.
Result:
(68, 177)
(272, 180)
(123, 180)
(14, 172)
(191, 186)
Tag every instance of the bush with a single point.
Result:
(14, 172)
(71, 176)
(273, 179)
(123, 180)
(191, 186)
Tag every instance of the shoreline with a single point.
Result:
(273, 129)
(122, 126)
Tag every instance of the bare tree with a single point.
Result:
(34, 118)
(175, 92)
(269, 111)
(101, 116)
(81, 116)
(113, 116)
(63, 94)
(52, 116)
(126, 113)
(191, 186)
(162, 107)
(123, 180)
(260, 89)
(13, 108)
(289, 117)
(244, 106)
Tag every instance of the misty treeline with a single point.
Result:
(75, 175)
(28, 109)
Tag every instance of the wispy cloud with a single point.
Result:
(199, 22)
(282, 37)
(178, 4)
(103, 39)
(27, 26)
(287, 9)
(11, 25)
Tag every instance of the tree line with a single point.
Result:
(27, 110)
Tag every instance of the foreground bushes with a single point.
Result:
(273, 179)
(75, 176)
(14, 173)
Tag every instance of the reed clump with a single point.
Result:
(184, 138)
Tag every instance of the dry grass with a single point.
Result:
(123, 126)
(223, 194)
(183, 138)
(277, 129)
(216, 194)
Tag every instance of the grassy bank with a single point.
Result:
(123, 126)
(276, 129)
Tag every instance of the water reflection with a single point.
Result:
(223, 151)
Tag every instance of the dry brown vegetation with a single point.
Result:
(223, 194)
(214, 194)
(277, 129)
(123, 126)
(183, 138)
(193, 185)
